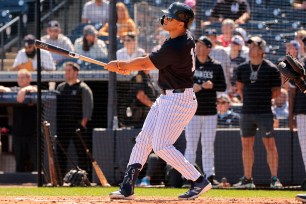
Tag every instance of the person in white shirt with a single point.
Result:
(95, 11)
(27, 58)
(218, 53)
(89, 45)
(55, 37)
(130, 49)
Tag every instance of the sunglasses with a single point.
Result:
(128, 40)
(169, 18)
(221, 102)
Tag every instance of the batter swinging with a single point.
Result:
(175, 107)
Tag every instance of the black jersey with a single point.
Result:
(175, 62)
(300, 98)
(210, 70)
(258, 91)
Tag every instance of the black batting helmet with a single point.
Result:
(180, 12)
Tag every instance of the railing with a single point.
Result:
(2, 30)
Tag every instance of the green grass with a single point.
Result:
(169, 192)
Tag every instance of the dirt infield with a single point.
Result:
(150, 200)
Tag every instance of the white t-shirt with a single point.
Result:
(96, 14)
(62, 41)
(122, 54)
(46, 60)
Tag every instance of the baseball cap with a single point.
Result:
(74, 65)
(295, 44)
(90, 30)
(258, 41)
(237, 39)
(53, 24)
(210, 31)
(29, 40)
(204, 39)
(224, 97)
(240, 31)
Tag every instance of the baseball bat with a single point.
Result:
(94, 163)
(52, 170)
(61, 51)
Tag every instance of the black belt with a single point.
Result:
(163, 91)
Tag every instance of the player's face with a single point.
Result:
(171, 24)
(23, 80)
(53, 33)
(202, 49)
(129, 42)
(292, 50)
(222, 106)
(255, 51)
(70, 73)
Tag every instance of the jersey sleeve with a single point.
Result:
(275, 78)
(163, 57)
(239, 74)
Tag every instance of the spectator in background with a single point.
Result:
(241, 32)
(208, 79)
(226, 117)
(258, 82)
(130, 49)
(300, 36)
(55, 37)
(27, 58)
(280, 108)
(89, 45)
(143, 95)
(24, 124)
(95, 12)
(227, 29)
(237, 10)
(219, 54)
(237, 56)
(299, 4)
(74, 110)
(297, 114)
(125, 23)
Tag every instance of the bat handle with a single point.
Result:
(74, 55)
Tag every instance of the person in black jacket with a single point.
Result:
(143, 95)
(208, 79)
(74, 110)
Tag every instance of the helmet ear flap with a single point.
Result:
(162, 20)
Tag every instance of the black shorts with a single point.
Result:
(250, 122)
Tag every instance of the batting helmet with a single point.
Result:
(180, 12)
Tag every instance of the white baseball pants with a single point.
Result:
(204, 126)
(301, 126)
(164, 124)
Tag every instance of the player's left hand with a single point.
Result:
(207, 85)
(111, 66)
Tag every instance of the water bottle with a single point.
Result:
(129, 112)
(115, 123)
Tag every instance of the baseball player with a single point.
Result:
(208, 79)
(173, 109)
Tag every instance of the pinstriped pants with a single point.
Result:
(164, 124)
(301, 126)
(204, 126)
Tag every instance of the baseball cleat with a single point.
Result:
(275, 183)
(196, 189)
(245, 183)
(121, 195)
(301, 197)
(126, 191)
